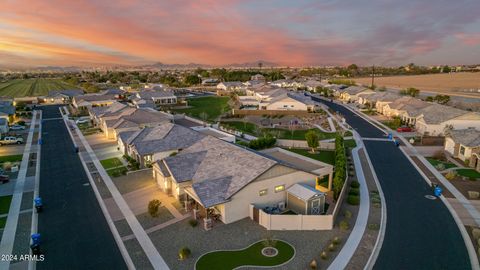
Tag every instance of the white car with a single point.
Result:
(17, 127)
(11, 140)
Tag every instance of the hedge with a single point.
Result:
(353, 199)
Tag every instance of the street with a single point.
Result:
(420, 233)
(75, 234)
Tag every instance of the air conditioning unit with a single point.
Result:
(281, 206)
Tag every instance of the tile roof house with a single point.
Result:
(464, 144)
(226, 178)
(352, 93)
(436, 119)
(154, 99)
(154, 143)
(231, 86)
(92, 100)
(60, 96)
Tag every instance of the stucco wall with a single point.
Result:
(295, 222)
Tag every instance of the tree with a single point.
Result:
(411, 91)
(353, 67)
(312, 139)
(446, 69)
(192, 80)
(183, 253)
(260, 65)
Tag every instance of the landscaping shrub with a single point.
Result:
(262, 143)
(324, 255)
(193, 222)
(353, 200)
(340, 162)
(344, 225)
(440, 166)
(21, 123)
(348, 214)
(355, 184)
(476, 233)
(153, 207)
(183, 253)
(354, 191)
(331, 247)
(373, 226)
(451, 175)
(336, 240)
(313, 264)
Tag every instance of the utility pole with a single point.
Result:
(373, 75)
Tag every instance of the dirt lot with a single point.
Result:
(459, 84)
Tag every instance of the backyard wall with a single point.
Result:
(294, 222)
(271, 112)
(303, 144)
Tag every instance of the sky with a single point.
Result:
(290, 33)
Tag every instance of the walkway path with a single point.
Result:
(9, 232)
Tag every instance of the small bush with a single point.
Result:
(324, 255)
(336, 240)
(373, 226)
(183, 253)
(331, 247)
(153, 207)
(193, 222)
(440, 166)
(354, 191)
(355, 184)
(451, 175)
(348, 214)
(353, 200)
(344, 225)
(476, 233)
(313, 264)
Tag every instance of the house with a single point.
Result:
(85, 102)
(231, 87)
(154, 99)
(153, 143)
(60, 96)
(377, 100)
(464, 144)
(209, 81)
(7, 110)
(286, 83)
(133, 120)
(118, 93)
(352, 93)
(402, 106)
(254, 83)
(215, 133)
(311, 85)
(223, 179)
(258, 77)
(285, 100)
(114, 111)
(434, 120)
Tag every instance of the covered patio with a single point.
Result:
(210, 216)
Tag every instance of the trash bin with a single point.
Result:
(76, 149)
(390, 136)
(36, 239)
(38, 204)
(437, 191)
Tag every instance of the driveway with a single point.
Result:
(420, 233)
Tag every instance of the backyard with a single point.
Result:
(320, 155)
(250, 256)
(32, 87)
(213, 107)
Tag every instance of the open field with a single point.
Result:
(213, 107)
(457, 84)
(32, 87)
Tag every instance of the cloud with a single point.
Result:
(221, 32)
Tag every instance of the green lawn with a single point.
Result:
(117, 171)
(5, 204)
(252, 255)
(246, 127)
(471, 173)
(212, 106)
(435, 162)
(111, 163)
(298, 134)
(324, 156)
(3, 220)
(32, 87)
(12, 158)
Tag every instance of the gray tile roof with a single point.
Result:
(437, 114)
(139, 117)
(211, 159)
(68, 92)
(94, 97)
(155, 94)
(166, 137)
(468, 137)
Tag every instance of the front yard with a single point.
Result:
(213, 107)
(5, 204)
(436, 163)
(114, 167)
(470, 173)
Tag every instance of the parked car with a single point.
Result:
(4, 178)
(404, 129)
(11, 140)
(17, 127)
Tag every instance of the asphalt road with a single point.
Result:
(420, 233)
(75, 234)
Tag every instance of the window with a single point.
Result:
(263, 192)
(462, 150)
(279, 188)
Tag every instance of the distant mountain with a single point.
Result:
(160, 65)
(254, 64)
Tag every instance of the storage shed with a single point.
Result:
(305, 200)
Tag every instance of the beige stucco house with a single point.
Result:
(224, 179)
(352, 93)
(464, 144)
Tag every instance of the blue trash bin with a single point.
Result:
(437, 191)
(390, 136)
(38, 201)
(36, 239)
